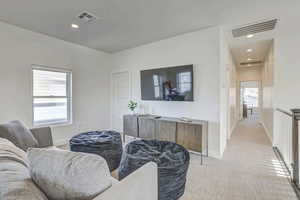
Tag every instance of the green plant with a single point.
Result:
(132, 105)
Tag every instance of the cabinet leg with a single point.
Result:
(201, 158)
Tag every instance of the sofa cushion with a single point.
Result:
(18, 134)
(68, 175)
(15, 181)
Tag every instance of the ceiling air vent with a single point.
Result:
(86, 17)
(251, 63)
(255, 28)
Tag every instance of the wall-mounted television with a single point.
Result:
(168, 84)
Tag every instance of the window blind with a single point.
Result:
(51, 97)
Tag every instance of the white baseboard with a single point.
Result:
(233, 128)
(267, 132)
(214, 154)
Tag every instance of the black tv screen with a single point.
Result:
(168, 84)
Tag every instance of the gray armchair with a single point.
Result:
(24, 138)
(43, 136)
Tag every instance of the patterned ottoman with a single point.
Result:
(107, 144)
(172, 160)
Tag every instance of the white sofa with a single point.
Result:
(140, 185)
(15, 179)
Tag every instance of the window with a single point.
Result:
(184, 81)
(51, 96)
(156, 84)
(251, 97)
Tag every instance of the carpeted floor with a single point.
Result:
(249, 170)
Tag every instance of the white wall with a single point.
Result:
(233, 103)
(21, 48)
(249, 73)
(287, 62)
(230, 75)
(228, 81)
(224, 92)
(286, 70)
(202, 49)
(286, 81)
(267, 93)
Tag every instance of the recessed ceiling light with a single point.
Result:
(249, 59)
(250, 36)
(75, 26)
(249, 65)
(249, 50)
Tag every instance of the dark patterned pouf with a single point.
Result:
(107, 144)
(172, 160)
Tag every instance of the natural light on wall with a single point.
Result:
(51, 96)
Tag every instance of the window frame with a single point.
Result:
(68, 95)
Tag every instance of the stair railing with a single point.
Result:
(286, 140)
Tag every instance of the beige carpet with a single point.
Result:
(249, 170)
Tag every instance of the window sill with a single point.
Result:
(54, 125)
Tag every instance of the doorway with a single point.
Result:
(250, 100)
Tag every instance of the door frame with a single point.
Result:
(112, 89)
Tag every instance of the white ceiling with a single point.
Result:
(124, 24)
(260, 45)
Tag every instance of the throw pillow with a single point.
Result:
(15, 181)
(66, 175)
(18, 134)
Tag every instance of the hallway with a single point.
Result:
(249, 170)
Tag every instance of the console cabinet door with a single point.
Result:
(146, 128)
(190, 136)
(130, 125)
(166, 130)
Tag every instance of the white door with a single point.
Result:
(120, 97)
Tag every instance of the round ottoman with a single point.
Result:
(172, 160)
(107, 144)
